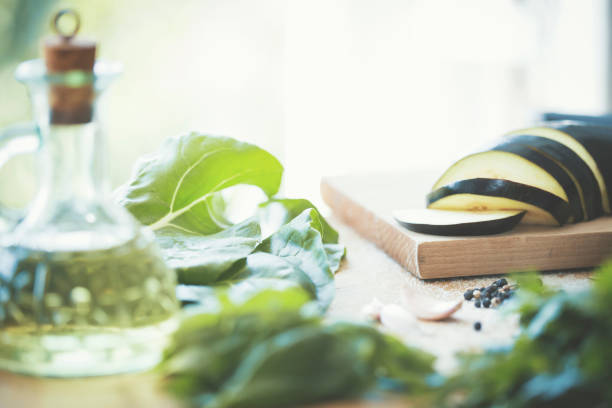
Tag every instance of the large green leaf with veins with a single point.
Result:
(295, 252)
(280, 211)
(201, 259)
(176, 186)
(300, 243)
(177, 193)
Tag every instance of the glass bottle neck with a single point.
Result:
(71, 157)
(73, 209)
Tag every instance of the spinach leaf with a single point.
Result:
(296, 252)
(335, 255)
(177, 193)
(177, 185)
(308, 364)
(268, 266)
(271, 350)
(212, 340)
(300, 243)
(201, 259)
(279, 211)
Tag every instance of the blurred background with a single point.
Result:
(329, 86)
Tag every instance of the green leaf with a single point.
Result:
(268, 349)
(177, 193)
(212, 340)
(279, 211)
(175, 187)
(201, 259)
(300, 243)
(254, 285)
(335, 255)
(546, 315)
(547, 386)
(295, 252)
(267, 266)
(301, 366)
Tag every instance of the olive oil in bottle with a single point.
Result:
(66, 313)
(83, 288)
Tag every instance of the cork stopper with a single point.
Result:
(70, 104)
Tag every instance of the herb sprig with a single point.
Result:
(561, 358)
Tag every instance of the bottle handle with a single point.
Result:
(15, 140)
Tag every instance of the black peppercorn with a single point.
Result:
(469, 294)
(477, 303)
(502, 282)
(486, 302)
(477, 326)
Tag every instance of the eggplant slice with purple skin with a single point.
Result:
(575, 166)
(545, 154)
(591, 143)
(597, 140)
(458, 223)
(495, 164)
(479, 194)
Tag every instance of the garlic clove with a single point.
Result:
(427, 308)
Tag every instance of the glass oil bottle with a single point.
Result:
(83, 288)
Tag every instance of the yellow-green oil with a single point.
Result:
(87, 312)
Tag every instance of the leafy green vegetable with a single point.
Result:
(300, 243)
(269, 348)
(201, 259)
(562, 357)
(177, 191)
(296, 252)
(176, 186)
(279, 211)
(335, 255)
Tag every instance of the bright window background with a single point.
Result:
(331, 87)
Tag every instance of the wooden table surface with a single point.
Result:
(366, 273)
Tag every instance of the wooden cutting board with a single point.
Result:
(366, 203)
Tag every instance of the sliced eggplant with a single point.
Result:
(557, 132)
(597, 140)
(494, 164)
(443, 222)
(481, 194)
(579, 183)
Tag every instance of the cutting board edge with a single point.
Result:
(539, 258)
(369, 226)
